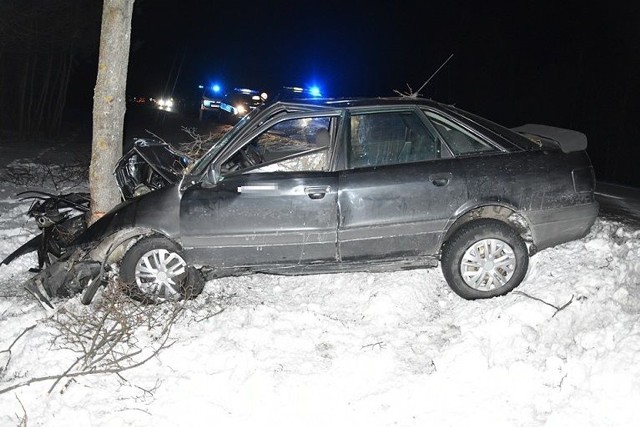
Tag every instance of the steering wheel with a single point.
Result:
(250, 156)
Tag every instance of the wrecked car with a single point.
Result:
(354, 185)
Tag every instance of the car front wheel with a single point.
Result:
(153, 270)
(484, 259)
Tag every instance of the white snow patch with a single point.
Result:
(370, 349)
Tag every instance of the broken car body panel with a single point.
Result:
(61, 219)
(149, 165)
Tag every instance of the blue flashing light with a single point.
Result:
(315, 91)
(215, 88)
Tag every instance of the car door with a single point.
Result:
(275, 204)
(400, 188)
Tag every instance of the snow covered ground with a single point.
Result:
(361, 349)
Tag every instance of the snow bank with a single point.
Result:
(371, 349)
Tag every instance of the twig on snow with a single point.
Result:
(558, 309)
(8, 350)
(104, 339)
(22, 421)
(67, 374)
(380, 345)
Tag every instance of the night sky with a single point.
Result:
(509, 57)
(562, 63)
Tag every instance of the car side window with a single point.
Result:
(459, 140)
(294, 145)
(388, 138)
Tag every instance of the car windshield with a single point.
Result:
(201, 164)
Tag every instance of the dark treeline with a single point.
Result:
(43, 46)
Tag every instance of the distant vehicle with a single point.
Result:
(166, 103)
(240, 102)
(354, 185)
(138, 100)
(210, 102)
(290, 93)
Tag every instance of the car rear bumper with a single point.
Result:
(551, 227)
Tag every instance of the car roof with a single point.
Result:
(360, 102)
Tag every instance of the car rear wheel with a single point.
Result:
(483, 259)
(153, 270)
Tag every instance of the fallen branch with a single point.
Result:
(199, 144)
(407, 94)
(8, 350)
(105, 337)
(558, 309)
(22, 421)
(85, 373)
(380, 345)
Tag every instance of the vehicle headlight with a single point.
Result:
(161, 102)
(169, 103)
(240, 109)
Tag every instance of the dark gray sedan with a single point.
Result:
(358, 184)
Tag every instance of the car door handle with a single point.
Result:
(440, 180)
(316, 193)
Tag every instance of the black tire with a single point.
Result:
(473, 241)
(153, 270)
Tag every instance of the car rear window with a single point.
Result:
(460, 141)
(503, 132)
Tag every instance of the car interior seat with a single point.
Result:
(322, 137)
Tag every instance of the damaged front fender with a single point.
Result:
(71, 255)
(67, 276)
(60, 217)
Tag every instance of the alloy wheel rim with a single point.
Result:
(160, 273)
(488, 264)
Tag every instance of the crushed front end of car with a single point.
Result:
(59, 217)
(64, 265)
(149, 165)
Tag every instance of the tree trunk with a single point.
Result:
(109, 105)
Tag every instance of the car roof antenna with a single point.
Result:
(415, 94)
